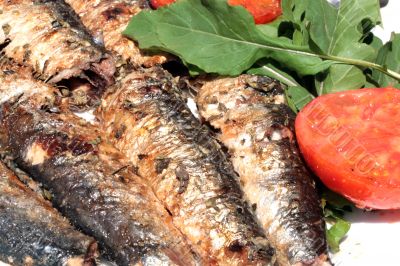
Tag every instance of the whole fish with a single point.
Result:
(107, 19)
(257, 127)
(33, 233)
(89, 180)
(148, 121)
(49, 37)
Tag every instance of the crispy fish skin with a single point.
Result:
(48, 36)
(258, 129)
(107, 19)
(90, 181)
(189, 173)
(33, 233)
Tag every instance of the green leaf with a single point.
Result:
(217, 38)
(335, 200)
(340, 32)
(268, 69)
(294, 11)
(298, 97)
(389, 56)
(336, 233)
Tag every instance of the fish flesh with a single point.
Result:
(91, 183)
(148, 121)
(33, 233)
(49, 37)
(257, 127)
(107, 19)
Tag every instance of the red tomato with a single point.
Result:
(263, 11)
(159, 3)
(351, 140)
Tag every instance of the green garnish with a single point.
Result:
(334, 207)
(312, 37)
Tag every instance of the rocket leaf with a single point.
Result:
(339, 32)
(389, 56)
(218, 38)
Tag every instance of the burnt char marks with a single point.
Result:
(53, 42)
(183, 176)
(185, 167)
(64, 15)
(107, 20)
(32, 232)
(115, 11)
(92, 184)
(258, 129)
(57, 143)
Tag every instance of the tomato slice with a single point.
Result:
(263, 11)
(159, 3)
(351, 140)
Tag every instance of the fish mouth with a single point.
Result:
(99, 74)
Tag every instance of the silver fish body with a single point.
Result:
(49, 37)
(91, 183)
(145, 117)
(257, 127)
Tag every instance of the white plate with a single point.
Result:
(372, 239)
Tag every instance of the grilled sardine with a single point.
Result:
(33, 233)
(90, 182)
(147, 120)
(49, 37)
(258, 129)
(107, 19)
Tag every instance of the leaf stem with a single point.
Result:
(363, 63)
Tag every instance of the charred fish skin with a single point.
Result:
(186, 168)
(258, 129)
(48, 36)
(107, 19)
(33, 233)
(90, 181)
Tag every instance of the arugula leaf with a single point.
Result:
(336, 233)
(294, 11)
(336, 32)
(334, 207)
(217, 38)
(389, 56)
(269, 70)
(297, 97)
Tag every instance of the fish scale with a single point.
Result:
(91, 182)
(49, 37)
(107, 19)
(258, 129)
(33, 233)
(198, 185)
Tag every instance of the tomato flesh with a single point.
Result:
(263, 11)
(351, 140)
(159, 3)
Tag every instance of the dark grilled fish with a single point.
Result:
(107, 19)
(33, 233)
(48, 36)
(257, 127)
(91, 183)
(189, 173)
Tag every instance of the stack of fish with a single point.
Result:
(146, 180)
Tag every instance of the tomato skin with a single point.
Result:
(263, 11)
(159, 3)
(351, 140)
